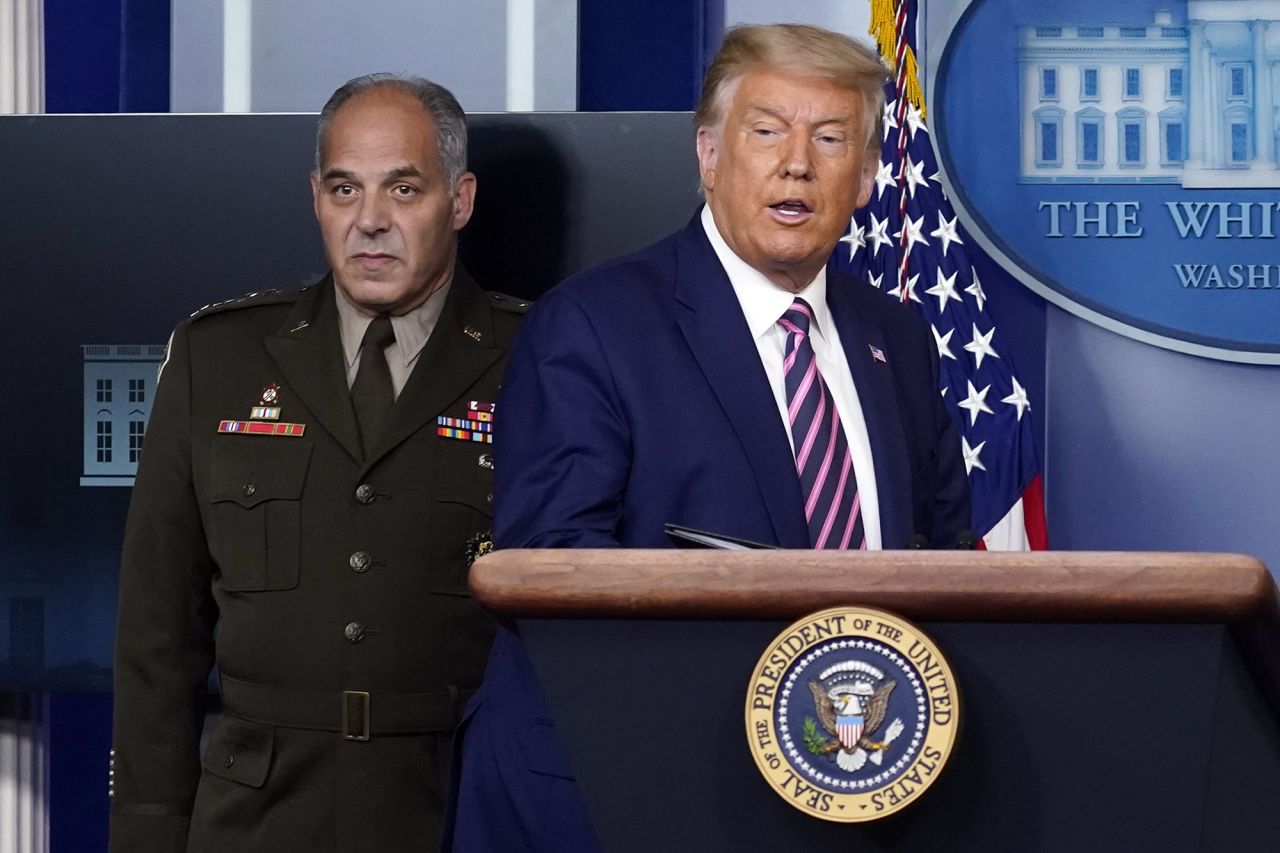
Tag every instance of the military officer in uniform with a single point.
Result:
(317, 472)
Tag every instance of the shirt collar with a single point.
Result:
(763, 302)
(412, 328)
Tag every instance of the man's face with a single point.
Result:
(785, 170)
(386, 212)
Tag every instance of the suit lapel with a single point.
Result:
(461, 348)
(308, 349)
(879, 401)
(714, 327)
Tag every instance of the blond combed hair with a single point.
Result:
(797, 48)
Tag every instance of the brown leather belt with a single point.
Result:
(356, 714)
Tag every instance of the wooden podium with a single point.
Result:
(1110, 701)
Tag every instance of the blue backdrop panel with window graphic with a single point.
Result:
(117, 227)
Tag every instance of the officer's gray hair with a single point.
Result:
(439, 102)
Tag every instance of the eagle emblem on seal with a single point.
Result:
(852, 701)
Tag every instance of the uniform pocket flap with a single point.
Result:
(249, 471)
(464, 475)
(240, 751)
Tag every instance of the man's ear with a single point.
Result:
(315, 193)
(464, 200)
(870, 165)
(708, 153)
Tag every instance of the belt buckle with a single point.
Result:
(356, 701)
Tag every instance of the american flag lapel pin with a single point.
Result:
(877, 354)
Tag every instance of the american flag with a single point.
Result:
(908, 243)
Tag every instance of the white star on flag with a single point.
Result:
(976, 290)
(884, 179)
(889, 122)
(971, 455)
(910, 290)
(913, 228)
(981, 345)
(976, 403)
(915, 120)
(945, 289)
(876, 280)
(914, 175)
(1018, 398)
(855, 238)
(879, 233)
(946, 231)
(944, 345)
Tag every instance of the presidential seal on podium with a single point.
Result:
(852, 714)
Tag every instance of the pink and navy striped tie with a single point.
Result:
(831, 500)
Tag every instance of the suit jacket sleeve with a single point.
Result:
(562, 463)
(164, 631)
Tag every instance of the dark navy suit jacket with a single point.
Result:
(634, 397)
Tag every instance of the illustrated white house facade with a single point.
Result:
(1195, 104)
(119, 384)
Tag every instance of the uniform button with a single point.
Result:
(249, 489)
(354, 632)
(228, 761)
(359, 562)
(365, 493)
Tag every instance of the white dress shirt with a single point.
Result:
(412, 329)
(763, 304)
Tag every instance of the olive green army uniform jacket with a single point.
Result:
(329, 589)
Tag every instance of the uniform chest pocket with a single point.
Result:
(464, 476)
(255, 513)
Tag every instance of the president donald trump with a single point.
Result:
(721, 379)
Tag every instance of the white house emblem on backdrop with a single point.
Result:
(1194, 103)
(119, 386)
